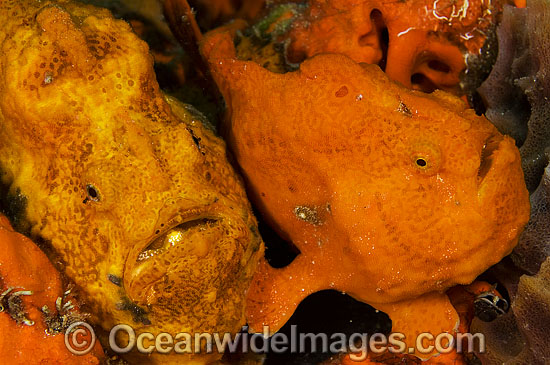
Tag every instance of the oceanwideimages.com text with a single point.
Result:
(80, 339)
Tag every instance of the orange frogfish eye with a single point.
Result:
(426, 157)
(422, 163)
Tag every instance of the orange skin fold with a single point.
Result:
(391, 195)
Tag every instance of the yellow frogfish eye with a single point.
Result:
(92, 193)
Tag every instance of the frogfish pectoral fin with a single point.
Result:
(275, 293)
(418, 323)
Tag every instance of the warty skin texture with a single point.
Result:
(133, 195)
(391, 195)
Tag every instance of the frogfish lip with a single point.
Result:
(177, 235)
(489, 154)
(189, 237)
(500, 170)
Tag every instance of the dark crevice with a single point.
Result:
(420, 81)
(328, 312)
(476, 102)
(383, 36)
(278, 252)
(13, 205)
(439, 66)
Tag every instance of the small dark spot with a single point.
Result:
(157, 231)
(343, 91)
(196, 140)
(117, 280)
(91, 77)
(139, 315)
(130, 82)
(208, 176)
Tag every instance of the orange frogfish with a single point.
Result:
(126, 189)
(391, 195)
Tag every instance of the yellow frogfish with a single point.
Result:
(391, 195)
(131, 196)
